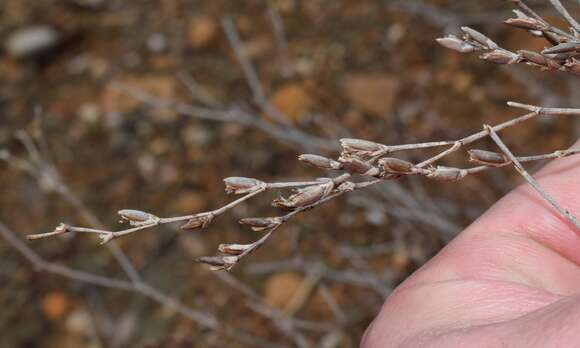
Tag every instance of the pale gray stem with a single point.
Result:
(562, 10)
(250, 73)
(564, 212)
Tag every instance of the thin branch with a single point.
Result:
(153, 221)
(562, 10)
(564, 212)
(233, 114)
(360, 157)
(527, 10)
(250, 73)
(281, 43)
(562, 56)
(43, 170)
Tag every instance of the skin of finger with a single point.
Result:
(555, 325)
(521, 238)
(418, 315)
(520, 249)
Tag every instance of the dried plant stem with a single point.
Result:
(285, 218)
(518, 166)
(562, 10)
(523, 159)
(44, 171)
(527, 10)
(561, 56)
(535, 111)
(250, 73)
(361, 157)
(107, 236)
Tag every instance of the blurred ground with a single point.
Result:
(370, 69)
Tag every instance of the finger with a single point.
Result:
(555, 325)
(519, 257)
(521, 238)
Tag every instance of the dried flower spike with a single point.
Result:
(564, 47)
(261, 224)
(199, 221)
(500, 57)
(239, 185)
(487, 157)
(304, 197)
(358, 166)
(396, 165)
(320, 161)
(479, 38)
(359, 147)
(527, 23)
(136, 217)
(533, 57)
(234, 249)
(218, 263)
(454, 43)
(447, 173)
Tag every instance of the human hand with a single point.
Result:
(511, 279)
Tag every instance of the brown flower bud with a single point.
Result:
(533, 57)
(304, 197)
(346, 186)
(500, 57)
(136, 217)
(359, 147)
(447, 174)
(396, 165)
(260, 224)
(218, 263)
(527, 23)
(487, 157)
(320, 161)
(234, 249)
(479, 38)
(360, 144)
(198, 221)
(454, 43)
(238, 185)
(564, 47)
(356, 165)
(554, 39)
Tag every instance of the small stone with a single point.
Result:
(293, 101)
(202, 31)
(258, 47)
(89, 113)
(55, 305)
(281, 288)
(157, 43)
(79, 322)
(371, 93)
(31, 41)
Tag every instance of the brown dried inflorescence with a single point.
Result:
(364, 163)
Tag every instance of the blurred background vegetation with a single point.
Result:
(70, 69)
